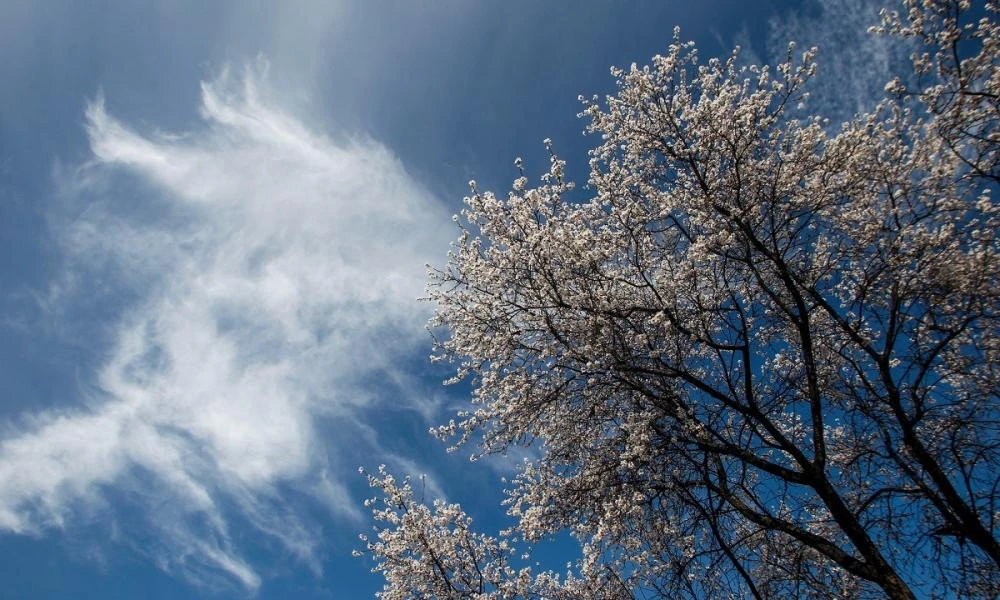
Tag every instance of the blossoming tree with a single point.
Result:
(763, 360)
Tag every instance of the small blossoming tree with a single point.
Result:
(762, 360)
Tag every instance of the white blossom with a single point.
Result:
(762, 359)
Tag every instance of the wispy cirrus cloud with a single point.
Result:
(263, 276)
(853, 65)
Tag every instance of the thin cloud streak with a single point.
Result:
(268, 274)
(854, 65)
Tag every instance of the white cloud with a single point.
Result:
(268, 272)
(853, 65)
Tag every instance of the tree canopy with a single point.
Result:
(761, 359)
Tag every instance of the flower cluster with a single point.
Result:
(763, 359)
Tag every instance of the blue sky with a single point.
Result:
(215, 218)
